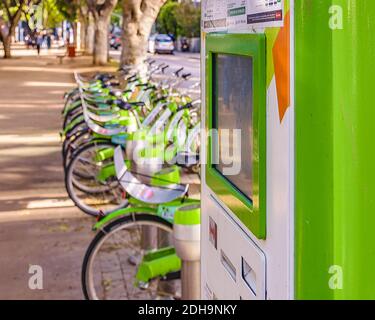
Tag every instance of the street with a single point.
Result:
(189, 61)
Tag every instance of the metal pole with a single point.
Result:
(190, 280)
(186, 231)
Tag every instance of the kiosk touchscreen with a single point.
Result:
(233, 110)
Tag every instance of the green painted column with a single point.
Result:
(335, 156)
(314, 146)
(354, 148)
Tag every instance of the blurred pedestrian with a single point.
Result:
(39, 42)
(49, 41)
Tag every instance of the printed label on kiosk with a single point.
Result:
(232, 15)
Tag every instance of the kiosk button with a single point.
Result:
(228, 265)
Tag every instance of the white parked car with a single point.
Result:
(160, 43)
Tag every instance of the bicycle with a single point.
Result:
(136, 242)
(101, 148)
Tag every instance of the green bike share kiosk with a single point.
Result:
(288, 160)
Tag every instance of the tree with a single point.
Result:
(188, 16)
(90, 33)
(101, 11)
(52, 15)
(138, 19)
(13, 10)
(83, 18)
(167, 21)
(78, 11)
(30, 16)
(69, 10)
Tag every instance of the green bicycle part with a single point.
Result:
(130, 121)
(98, 100)
(165, 154)
(127, 118)
(127, 121)
(155, 138)
(108, 112)
(100, 136)
(158, 253)
(71, 106)
(109, 171)
(152, 152)
(139, 135)
(101, 105)
(158, 264)
(104, 154)
(166, 176)
(173, 106)
(165, 211)
(188, 214)
(168, 210)
(72, 124)
(106, 172)
(120, 139)
(145, 135)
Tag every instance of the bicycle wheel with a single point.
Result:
(85, 166)
(112, 259)
(71, 145)
(79, 126)
(92, 196)
(71, 115)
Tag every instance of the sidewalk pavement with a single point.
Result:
(38, 223)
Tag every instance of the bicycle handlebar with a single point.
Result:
(189, 105)
(127, 105)
(186, 76)
(177, 72)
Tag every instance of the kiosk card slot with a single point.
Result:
(228, 265)
(249, 276)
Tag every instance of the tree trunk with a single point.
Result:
(75, 33)
(83, 34)
(13, 20)
(102, 11)
(138, 19)
(90, 35)
(101, 41)
(7, 42)
(84, 20)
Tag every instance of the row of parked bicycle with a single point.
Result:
(128, 142)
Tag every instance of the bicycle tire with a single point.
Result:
(73, 188)
(105, 233)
